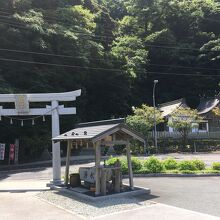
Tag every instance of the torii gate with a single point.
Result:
(22, 109)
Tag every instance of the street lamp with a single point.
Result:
(155, 125)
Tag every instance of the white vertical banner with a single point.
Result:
(2, 151)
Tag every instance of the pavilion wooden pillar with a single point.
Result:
(68, 154)
(97, 168)
(130, 172)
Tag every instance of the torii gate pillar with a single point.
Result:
(22, 101)
(56, 146)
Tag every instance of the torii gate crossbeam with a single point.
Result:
(22, 109)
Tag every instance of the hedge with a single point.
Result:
(170, 165)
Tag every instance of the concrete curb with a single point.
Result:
(138, 191)
(173, 175)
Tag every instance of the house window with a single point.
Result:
(203, 126)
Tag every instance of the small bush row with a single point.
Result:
(169, 165)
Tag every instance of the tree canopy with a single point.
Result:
(142, 119)
(112, 50)
(183, 120)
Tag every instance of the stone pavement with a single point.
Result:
(18, 201)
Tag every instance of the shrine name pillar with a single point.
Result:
(56, 146)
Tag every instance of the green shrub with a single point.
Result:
(170, 164)
(171, 171)
(186, 165)
(216, 166)
(188, 171)
(111, 161)
(143, 170)
(199, 164)
(154, 165)
(124, 166)
(123, 162)
(136, 163)
(210, 170)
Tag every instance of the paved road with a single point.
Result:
(159, 212)
(44, 173)
(194, 193)
(201, 194)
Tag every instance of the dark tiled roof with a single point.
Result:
(103, 122)
(93, 131)
(87, 132)
(168, 107)
(207, 104)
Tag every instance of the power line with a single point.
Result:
(211, 19)
(114, 38)
(58, 65)
(184, 74)
(115, 70)
(16, 26)
(4, 16)
(149, 45)
(21, 26)
(96, 4)
(184, 67)
(68, 23)
(62, 21)
(14, 23)
(80, 57)
(4, 11)
(7, 21)
(47, 54)
(177, 48)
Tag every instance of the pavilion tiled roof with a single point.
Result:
(89, 132)
(92, 131)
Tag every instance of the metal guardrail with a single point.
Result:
(192, 135)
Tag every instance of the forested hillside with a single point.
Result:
(112, 50)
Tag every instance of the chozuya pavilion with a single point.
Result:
(100, 134)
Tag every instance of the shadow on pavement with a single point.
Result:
(3, 176)
(8, 173)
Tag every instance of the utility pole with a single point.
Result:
(155, 124)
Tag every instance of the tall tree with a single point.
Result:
(184, 120)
